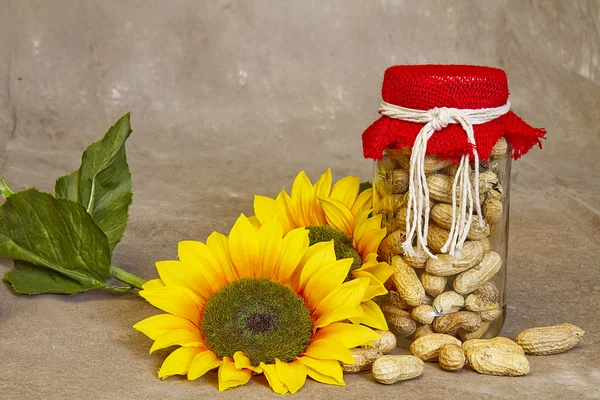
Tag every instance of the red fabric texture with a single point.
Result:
(424, 87)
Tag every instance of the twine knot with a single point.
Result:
(440, 118)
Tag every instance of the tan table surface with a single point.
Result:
(232, 98)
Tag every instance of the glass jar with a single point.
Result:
(456, 301)
(442, 149)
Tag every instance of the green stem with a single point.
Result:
(126, 277)
(4, 189)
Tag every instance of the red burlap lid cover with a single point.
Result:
(424, 87)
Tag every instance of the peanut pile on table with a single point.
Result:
(496, 356)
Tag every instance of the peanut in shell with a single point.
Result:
(550, 339)
(407, 282)
(427, 347)
(451, 357)
(391, 369)
(472, 279)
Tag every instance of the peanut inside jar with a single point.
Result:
(460, 295)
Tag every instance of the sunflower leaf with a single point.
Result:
(53, 234)
(102, 185)
(67, 186)
(4, 189)
(27, 278)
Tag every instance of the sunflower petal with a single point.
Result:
(368, 233)
(244, 247)
(174, 300)
(324, 371)
(346, 190)
(161, 324)
(287, 208)
(270, 372)
(322, 189)
(230, 376)
(380, 270)
(186, 275)
(369, 241)
(178, 362)
(266, 208)
(219, 246)
(294, 246)
(202, 263)
(180, 337)
(372, 316)
(325, 280)
(350, 335)
(362, 217)
(339, 314)
(338, 215)
(363, 202)
(323, 185)
(153, 284)
(327, 349)
(375, 288)
(348, 295)
(370, 261)
(254, 221)
(302, 197)
(293, 374)
(241, 362)
(315, 257)
(202, 363)
(270, 241)
(368, 223)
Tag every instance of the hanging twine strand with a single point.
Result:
(463, 198)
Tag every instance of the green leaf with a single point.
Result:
(56, 234)
(67, 186)
(103, 182)
(4, 189)
(113, 196)
(27, 278)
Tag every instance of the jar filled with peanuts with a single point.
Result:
(443, 149)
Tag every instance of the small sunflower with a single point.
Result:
(339, 213)
(257, 301)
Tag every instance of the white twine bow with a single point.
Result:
(417, 216)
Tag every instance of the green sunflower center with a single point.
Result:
(341, 243)
(262, 318)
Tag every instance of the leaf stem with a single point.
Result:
(126, 277)
(4, 189)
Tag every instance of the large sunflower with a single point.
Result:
(339, 213)
(256, 302)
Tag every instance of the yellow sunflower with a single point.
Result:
(339, 213)
(257, 301)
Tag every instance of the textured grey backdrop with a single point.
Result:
(233, 98)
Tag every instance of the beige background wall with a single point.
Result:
(233, 98)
